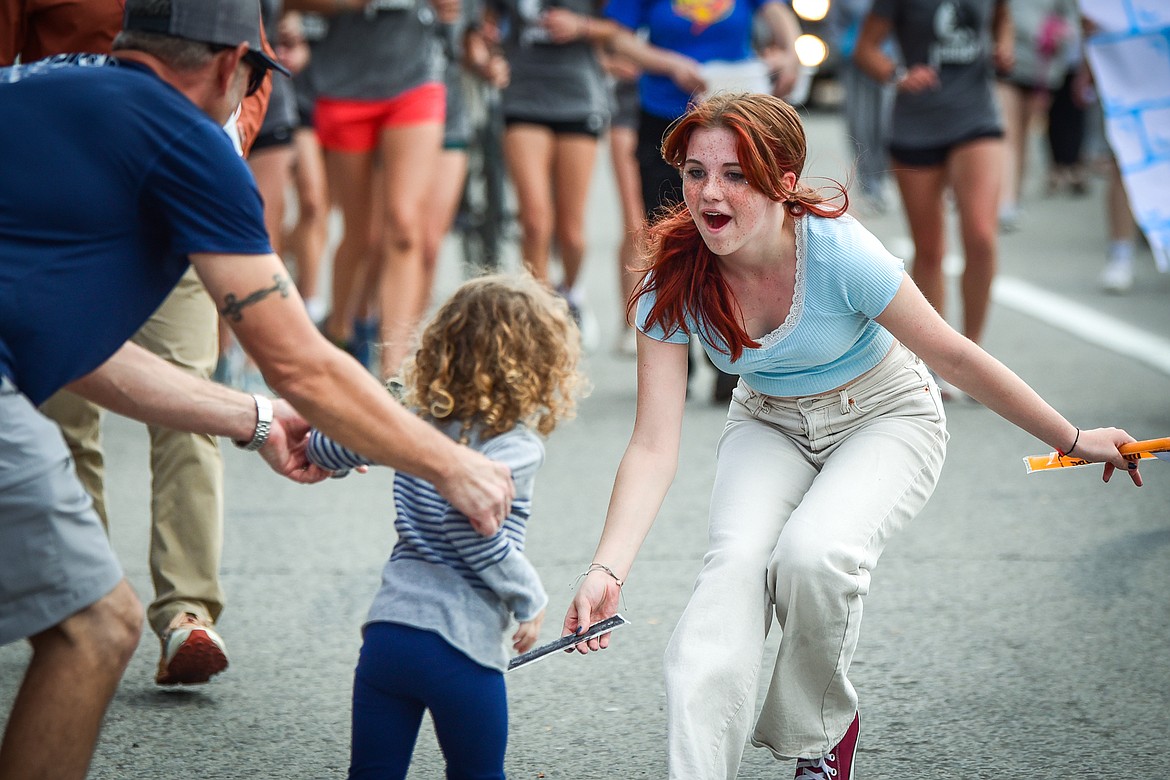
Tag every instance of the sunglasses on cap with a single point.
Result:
(256, 72)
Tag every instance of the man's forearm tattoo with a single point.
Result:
(233, 308)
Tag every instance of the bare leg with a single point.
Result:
(1118, 274)
(73, 674)
(1122, 226)
(443, 205)
(410, 155)
(574, 157)
(922, 196)
(272, 169)
(622, 143)
(975, 171)
(350, 176)
(1013, 104)
(306, 241)
(528, 150)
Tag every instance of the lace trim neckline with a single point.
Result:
(797, 309)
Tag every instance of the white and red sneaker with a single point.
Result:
(836, 764)
(191, 652)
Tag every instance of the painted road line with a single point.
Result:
(1082, 321)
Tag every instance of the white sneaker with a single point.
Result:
(1117, 276)
(316, 309)
(1009, 219)
(587, 324)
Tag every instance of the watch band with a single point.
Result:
(263, 424)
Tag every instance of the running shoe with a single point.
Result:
(192, 652)
(1009, 219)
(587, 323)
(1117, 276)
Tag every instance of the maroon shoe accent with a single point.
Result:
(197, 660)
(836, 764)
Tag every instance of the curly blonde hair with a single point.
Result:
(502, 350)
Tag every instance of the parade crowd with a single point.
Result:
(250, 250)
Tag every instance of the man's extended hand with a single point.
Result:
(481, 489)
(285, 449)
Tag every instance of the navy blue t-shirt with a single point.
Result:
(109, 179)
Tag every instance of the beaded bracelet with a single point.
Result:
(602, 567)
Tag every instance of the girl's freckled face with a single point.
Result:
(727, 209)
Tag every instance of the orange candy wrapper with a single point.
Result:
(1135, 451)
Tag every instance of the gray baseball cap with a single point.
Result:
(216, 22)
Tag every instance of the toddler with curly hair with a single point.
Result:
(496, 370)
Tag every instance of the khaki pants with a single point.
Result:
(186, 469)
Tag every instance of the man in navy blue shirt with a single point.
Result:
(117, 176)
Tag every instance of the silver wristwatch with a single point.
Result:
(263, 424)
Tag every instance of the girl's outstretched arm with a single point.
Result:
(915, 323)
(646, 471)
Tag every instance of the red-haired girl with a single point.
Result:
(834, 440)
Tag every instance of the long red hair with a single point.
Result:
(685, 276)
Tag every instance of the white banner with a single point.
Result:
(1130, 58)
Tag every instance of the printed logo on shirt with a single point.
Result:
(956, 32)
(373, 7)
(15, 73)
(703, 13)
(531, 30)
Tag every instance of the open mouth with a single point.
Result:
(715, 220)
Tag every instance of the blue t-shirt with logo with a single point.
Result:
(109, 179)
(704, 30)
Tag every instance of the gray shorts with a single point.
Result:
(55, 558)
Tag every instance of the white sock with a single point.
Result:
(316, 309)
(1121, 251)
(572, 295)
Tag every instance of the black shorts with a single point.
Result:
(934, 156)
(304, 115)
(592, 125)
(277, 136)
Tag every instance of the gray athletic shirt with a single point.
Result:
(1034, 65)
(378, 53)
(955, 37)
(282, 108)
(558, 82)
(457, 130)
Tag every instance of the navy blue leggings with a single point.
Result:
(401, 673)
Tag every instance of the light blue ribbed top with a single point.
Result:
(844, 278)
